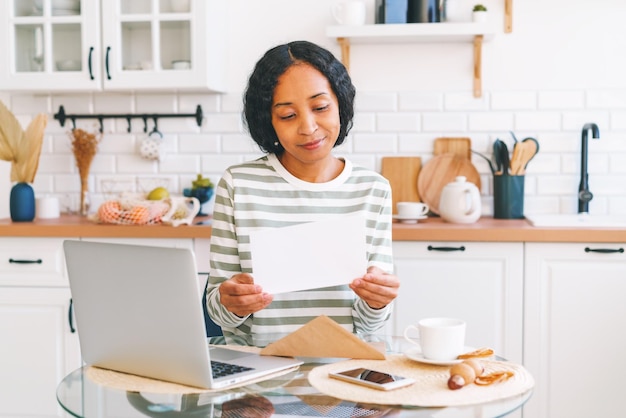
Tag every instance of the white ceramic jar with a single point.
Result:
(460, 202)
(457, 10)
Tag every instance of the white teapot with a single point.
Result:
(460, 202)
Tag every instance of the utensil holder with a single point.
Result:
(508, 197)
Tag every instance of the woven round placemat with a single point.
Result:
(430, 388)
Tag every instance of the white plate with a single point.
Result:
(409, 219)
(415, 353)
(65, 12)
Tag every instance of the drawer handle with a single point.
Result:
(431, 248)
(604, 250)
(106, 63)
(70, 316)
(14, 261)
(90, 67)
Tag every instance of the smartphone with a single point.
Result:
(373, 378)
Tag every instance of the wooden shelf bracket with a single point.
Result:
(508, 16)
(478, 48)
(345, 51)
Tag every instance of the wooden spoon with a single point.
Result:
(530, 148)
(519, 149)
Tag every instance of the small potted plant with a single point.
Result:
(479, 13)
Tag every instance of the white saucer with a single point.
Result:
(409, 219)
(415, 353)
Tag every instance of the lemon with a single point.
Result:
(159, 193)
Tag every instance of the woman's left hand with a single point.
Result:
(376, 288)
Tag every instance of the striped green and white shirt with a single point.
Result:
(262, 194)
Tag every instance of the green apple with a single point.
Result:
(158, 193)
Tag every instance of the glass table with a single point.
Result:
(288, 395)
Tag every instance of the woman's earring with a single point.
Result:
(276, 143)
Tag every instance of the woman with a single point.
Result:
(298, 106)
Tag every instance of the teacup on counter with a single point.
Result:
(411, 212)
(440, 339)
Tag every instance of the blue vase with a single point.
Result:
(22, 203)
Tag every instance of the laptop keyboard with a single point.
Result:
(220, 369)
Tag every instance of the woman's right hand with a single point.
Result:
(241, 296)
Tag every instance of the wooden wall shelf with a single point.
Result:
(475, 33)
(508, 16)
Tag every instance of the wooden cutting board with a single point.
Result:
(457, 146)
(402, 173)
(441, 170)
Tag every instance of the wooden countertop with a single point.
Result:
(432, 229)
(80, 226)
(502, 230)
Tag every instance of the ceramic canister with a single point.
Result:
(460, 202)
(22, 203)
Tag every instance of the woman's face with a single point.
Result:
(305, 116)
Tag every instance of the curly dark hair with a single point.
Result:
(259, 94)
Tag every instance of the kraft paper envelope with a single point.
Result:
(322, 337)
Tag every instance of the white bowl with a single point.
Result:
(68, 65)
(60, 4)
(181, 65)
(66, 4)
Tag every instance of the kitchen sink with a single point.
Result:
(584, 220)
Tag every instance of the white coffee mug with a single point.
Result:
(350, 12)
(412, 210)
(47, 208)
(439, 338)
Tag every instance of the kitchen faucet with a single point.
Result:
(584, 195)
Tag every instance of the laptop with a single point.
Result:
(138, 310)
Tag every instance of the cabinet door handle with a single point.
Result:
(89, 62)
(14, 261)
(70, 316)
(448, 249)
(106, 63)
(604, 250)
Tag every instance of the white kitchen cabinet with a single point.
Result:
(39, 345)
(38, 350)
(574, 325)
(481, 283)
(112, 45)
(202, 249)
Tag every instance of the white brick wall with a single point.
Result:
(386, 123)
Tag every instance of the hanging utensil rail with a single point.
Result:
(61, 116)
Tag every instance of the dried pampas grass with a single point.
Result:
(10, 134)
(29, 151)
(22, 148)
(84, 147)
